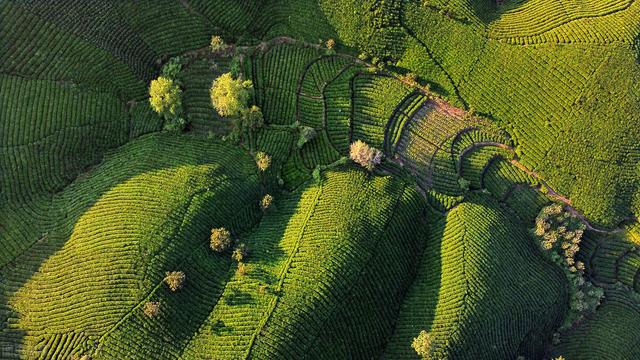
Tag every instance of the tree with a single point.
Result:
(230, 96)
(422, 344)
(364, 155)
(151, 308)
(330, 44)
(220, 239)
(263, 160)
(240, 252)
(217, 43)
(266, 202)
(165, 96)
(172, 68)
(175, 280)
(307, 133)
(252, 118)
(242, 269)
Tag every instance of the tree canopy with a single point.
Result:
(165, 96)
(230, 96)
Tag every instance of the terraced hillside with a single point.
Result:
(495, 215)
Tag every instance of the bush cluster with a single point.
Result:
(422, 344)
(307, 134)
(217, 44)
(560, 234)
(165, 95)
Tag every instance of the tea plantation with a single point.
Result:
(320, 179)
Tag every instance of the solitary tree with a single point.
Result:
(175, 280)
(240, 252)
(330, 44)
(242, 269)
(252, 118)
(151, 308)
(217, 43)
(263, 161)
(165, 96)
(364, 155)
(307, 134)
(220, 239)
(422, 344)
(266, 202)
(230, 96)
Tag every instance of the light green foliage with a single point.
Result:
(230, 96)
(263, 161)
(220, 239)
(332, 270)
(175, 280)
(422, 344)
(217, 43)
(172, 68)
(165, 96)
(266, 201)
(307, 134)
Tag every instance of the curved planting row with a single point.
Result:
(470, 299)
(571, 22)
(131, 219)
(37, 48)
(615, 258)
(607, 333)
(276, 75)
(312, 108)
(51, 134)
(344, 257)
(427, 142)
(103, 24)
(314, 262)
(375, 99)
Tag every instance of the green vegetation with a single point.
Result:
(230, 96)
(164, 96)
(466, 285)
(220, 239)
(501, 224)
(561, 235)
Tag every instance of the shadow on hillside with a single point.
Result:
(21, 300)
(418, 308)
(490, 10)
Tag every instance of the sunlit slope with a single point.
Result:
(568, 98)
(146, 210)
(483, 291)
(325, 276)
